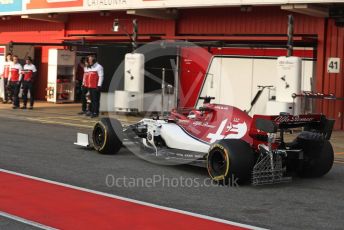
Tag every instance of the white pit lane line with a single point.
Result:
(115, 197)
(25, 221)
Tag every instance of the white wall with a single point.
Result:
(234, 80)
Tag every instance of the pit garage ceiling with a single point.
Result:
(23, 7)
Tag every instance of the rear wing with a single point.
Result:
(311, 122)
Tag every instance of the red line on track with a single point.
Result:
(67, 208)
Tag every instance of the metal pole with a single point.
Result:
(134, 35)
(10, 47)
(176, 79)
(290, 34)
(169, 87)
(162, 91)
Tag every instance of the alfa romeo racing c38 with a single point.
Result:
(227, 141)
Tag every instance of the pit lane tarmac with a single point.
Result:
(47, 151)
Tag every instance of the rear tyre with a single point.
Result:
(230, 159)
(107, 136)
(318, 155)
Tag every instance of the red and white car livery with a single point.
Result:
(227, 141)
(215, 122)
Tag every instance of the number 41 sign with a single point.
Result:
(333, 65)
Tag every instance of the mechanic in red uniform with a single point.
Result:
(84, 91)
(14, 80)
(5, 75)
(95, 80)
(29, 75)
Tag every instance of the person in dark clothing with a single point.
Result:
(79, 76)
(29, 75)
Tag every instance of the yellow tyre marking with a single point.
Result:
(105, 135)
(221, 177)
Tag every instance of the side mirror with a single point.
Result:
(267, 126)
(206, 99)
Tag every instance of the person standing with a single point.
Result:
(84, 91)
(5, 75)
(14, 80)
(95, 80)
(79, 75)
(29, 75)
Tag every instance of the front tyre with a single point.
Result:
(107, 136)
(230, 159)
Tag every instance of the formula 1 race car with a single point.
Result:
(227, 141)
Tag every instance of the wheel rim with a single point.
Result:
(98, 136)
(218, 163)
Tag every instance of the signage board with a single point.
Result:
(20, 7)
(49, 4)
(333, 65)
(10, 5)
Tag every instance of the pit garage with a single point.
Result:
(234, 33)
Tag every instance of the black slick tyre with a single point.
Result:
(230, 159)
(107, 136)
